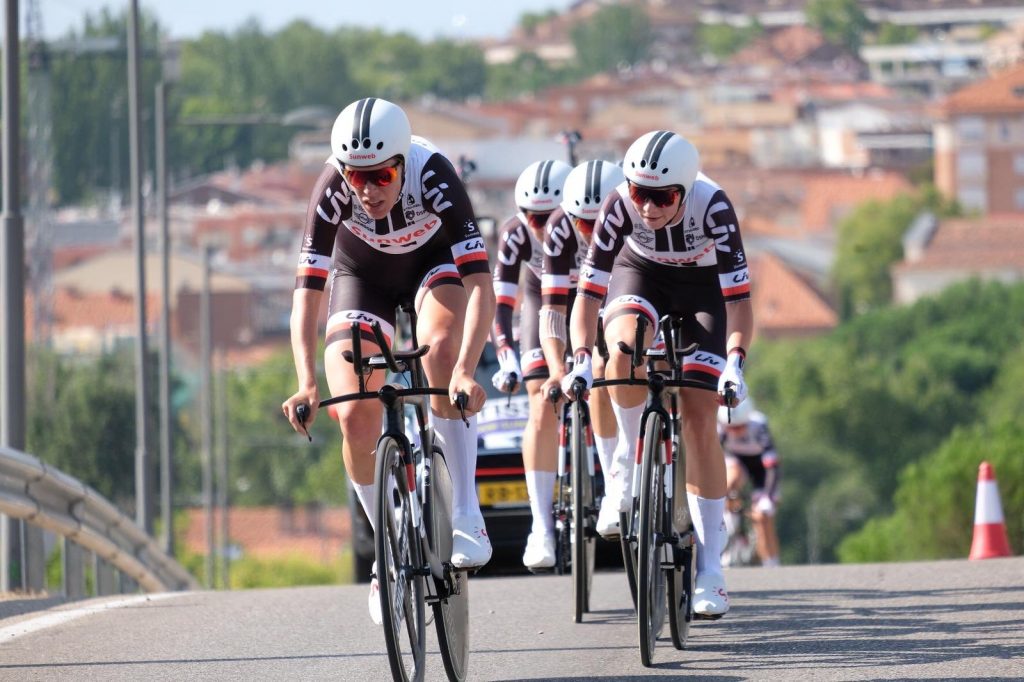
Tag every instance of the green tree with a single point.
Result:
(614, 35)
(935, 501)
(876, 396)
(529, 21)
(870, 242)
(81, 419)
(841, 22)
(89, 106)
(526, 74)
(896, 34)
(724, 40)
(270, 464)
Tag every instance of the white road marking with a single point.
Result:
(48, 620)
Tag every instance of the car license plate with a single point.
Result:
(503, 493)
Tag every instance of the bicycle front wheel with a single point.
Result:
(451, 612)
(651, 597)
(398, 565)
(582, 516)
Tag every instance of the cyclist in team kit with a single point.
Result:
(566, 240)
(389, 221)
(538, 192)
(750, 454)
(684, 255)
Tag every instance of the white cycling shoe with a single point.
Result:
(710, 598)
(540, 550)
(608, 519)
(471, 548)
(374, 600)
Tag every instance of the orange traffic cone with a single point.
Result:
(990, 539)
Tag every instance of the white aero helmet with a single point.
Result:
(370, 131)
(539, 187)
(736, 416)
(662, 159)
(587, 186)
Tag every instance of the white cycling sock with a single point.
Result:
(459, 445)
(606, 454)
(625, 450)
(541, 487)
(367, 495)
(708, 520)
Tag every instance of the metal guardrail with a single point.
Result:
(46, 497)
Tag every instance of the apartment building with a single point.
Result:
(979, 144)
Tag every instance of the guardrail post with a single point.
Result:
(74, 570)
(106, 577)
(35, 557)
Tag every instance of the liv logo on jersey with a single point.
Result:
(435, 194)
(513, 241)
(333, 198)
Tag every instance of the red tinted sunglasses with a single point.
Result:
(382, 177)
(661, 198)
(537, 220)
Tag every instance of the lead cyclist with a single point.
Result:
(390, 221)
(684, 256)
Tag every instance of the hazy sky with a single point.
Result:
(189, 18)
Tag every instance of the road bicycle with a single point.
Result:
(413, 540)
(575, 506)
(657, 538)
(741, 538)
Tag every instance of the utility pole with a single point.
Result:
(143, 473)
(166, 451)
(12, 293)
(206, 412)
(222, 471)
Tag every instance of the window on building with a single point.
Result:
(1019, 199)
(970, 165)
(972, 198)
(1018, 164)
(970, 129)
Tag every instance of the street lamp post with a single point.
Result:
(12, 293)
(166, 465)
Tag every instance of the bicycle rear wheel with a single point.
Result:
(398, 566)
(451, 612)
(651, 588)
(582, 516)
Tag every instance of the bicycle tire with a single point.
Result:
(582, 504)
(396, 544)
(563, 538)
(627, 529)
(650, 583)
(680, 576)
(680, 595)
(451, 614)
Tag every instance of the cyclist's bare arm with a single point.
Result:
(740, 324)
(305, 310)
(479, 314)
(583, 326)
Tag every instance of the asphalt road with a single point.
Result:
(950, 620)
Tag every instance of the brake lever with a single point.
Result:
(554, 393)
(513, 384)
(302, 414)
(461, 401)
